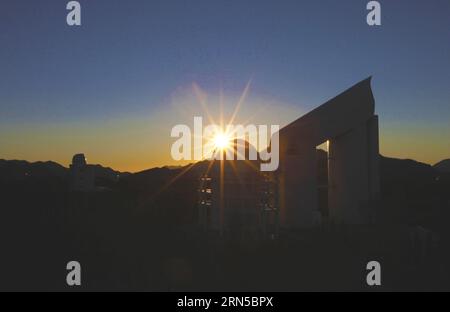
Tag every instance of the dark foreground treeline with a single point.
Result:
(142, 235)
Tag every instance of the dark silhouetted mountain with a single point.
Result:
(147, 180)
(413, 193)
(393, 169)
(107, 177)
(173, 167)
(17, 170)
(443, 166)
(108, 173)
(134, 236)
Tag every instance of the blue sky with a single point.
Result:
(128, 57)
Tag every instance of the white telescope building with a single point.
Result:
(350, 127)
(292, 197)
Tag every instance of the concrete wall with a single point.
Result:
(349, 124)
(352, 174)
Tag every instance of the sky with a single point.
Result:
(114, 87)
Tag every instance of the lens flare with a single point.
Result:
(221, 141)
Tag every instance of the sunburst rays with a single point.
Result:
(222, 141)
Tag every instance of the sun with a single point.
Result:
(221, 141)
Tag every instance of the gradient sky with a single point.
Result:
(114, 87)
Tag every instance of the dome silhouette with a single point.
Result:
(79, 160)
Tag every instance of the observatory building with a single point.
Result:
(310, 187)
(232, 195)
(349, 126)
(81, 174)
